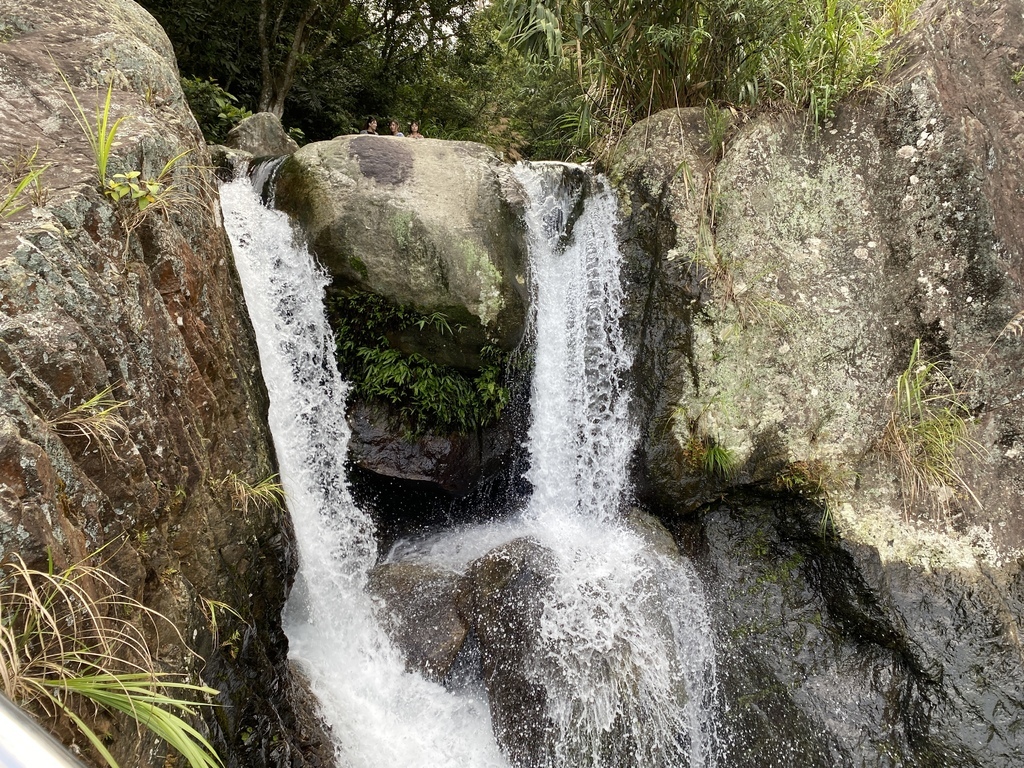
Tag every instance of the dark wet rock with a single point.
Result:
(502, 600)
(420, 615)
(452, 462)
(261, 135)
(93, 297)
(830, 656)
(228, 162)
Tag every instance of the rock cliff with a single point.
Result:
(142, 308)
(814, 307)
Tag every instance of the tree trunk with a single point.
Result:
(277, 80)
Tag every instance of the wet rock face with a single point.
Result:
(502, 601)
(420, 614)
(829, 657)
(95, 298)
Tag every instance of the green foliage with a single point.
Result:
(631, 58)
(216, 110)
(69, 645)
(717, 121)
(429, 396)
(25, 175)
(828, 49)
(927, 430)
(143, 192)
(710, 457)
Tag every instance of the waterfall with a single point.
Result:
(380, 715)
(624, 653)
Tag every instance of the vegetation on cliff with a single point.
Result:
(428, 395)
(540, 78)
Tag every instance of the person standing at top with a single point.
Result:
(393, 127)
(414, 131)
(371, 126)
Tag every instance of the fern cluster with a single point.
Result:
(428, 395)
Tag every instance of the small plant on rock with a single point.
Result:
(24, 181)
(96, 420)
(100, 132)
(816, 481)
(928, 429)
(713, 459)
(144, 194)
(261, 495)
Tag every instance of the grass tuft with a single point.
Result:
(25, 180)
(816, 481)
(96, 420)
(70, 646)
(710, 457)
(927, 431)
(261, 495)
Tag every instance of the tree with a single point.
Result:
(634, 57)
(289, 37)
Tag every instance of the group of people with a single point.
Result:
(414, 129)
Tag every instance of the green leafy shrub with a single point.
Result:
(428, 395)
(216, 110)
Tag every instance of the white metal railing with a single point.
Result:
(24, 744)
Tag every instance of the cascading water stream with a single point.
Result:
(624, 654)
(626, 659)
(380, 714)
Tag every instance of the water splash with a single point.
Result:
(380, 715)
(625, 655)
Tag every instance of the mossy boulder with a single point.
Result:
(428, 224)
(782, 288)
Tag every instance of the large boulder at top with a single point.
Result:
(95, 298)
(426, 223)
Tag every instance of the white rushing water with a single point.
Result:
(381, 716)
(627, 660)
(624, 655)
